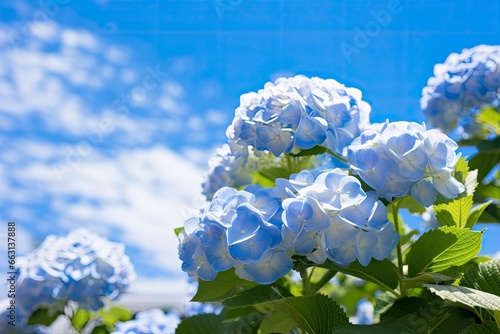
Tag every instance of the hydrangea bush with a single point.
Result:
(73, 276)
(150, 321)
(308, 186)
(463, 96)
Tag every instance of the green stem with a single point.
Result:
(398, 228)
(289, 163)
(306, 281)
(323, 281)
(496, 316)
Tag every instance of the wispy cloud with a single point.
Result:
(58, 90)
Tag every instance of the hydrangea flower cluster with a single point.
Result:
(460, 88)
(257, 230)
(150, 321)
(81, 267)
(404, 158)
(299, 113)
(329, 216)
(236, 230)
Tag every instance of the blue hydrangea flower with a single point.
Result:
(460, 88)
(150, 321)
(81, 267)
(364, 313)
(342, 224)
(299, 113)
(320, 215)
(236, 230)
(403, 158)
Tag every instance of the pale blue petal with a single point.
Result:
(365, 241)
(218, 256)
(424, 192)
(274, 233)
(338, 232)
(291, 114)
(319, 219)
(447, 185)
(402, 143)
(205, 270)
(245, 224)
(272, 266)
(413, 164)
(251, 249)
(266, 203)
(388, 238)
(366, 159)
(309, 133)
(344, 254)
(306, 242)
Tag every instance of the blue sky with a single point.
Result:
(110, 109)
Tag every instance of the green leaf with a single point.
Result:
(485, 277)
(487, 327)
(415, 315)
(256, 295)
(443, 248)
(488, 191)
(43, 316)
(483, 162)
(489, 146)
(475, 213)
(248, 324)
(258, 178)
(383, 302)
(491, 214)
(313, 314)
(454, 212)
(201, 323)
(101, 329)
(114, 314)
(277, 323)
(225, 285)
(384, 273)
(466, 296)
(178, 230)
(428, 278)
(80, 319)
(489, 118)
(274, 173)
(316, 150)
(412, 205)
(461, 170)
(316, 314)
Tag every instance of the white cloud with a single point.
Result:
(117, 55)
(217, 117)
(195, 123)
(149, 293)
(143, 193)
(57, 89)
(71, 38)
